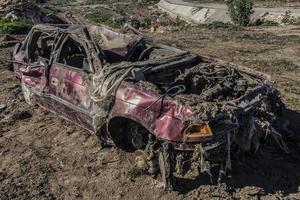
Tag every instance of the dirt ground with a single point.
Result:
(45, 157)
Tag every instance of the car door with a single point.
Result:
(38, 52)
(69, 82)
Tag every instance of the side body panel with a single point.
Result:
(163, 117)
(69, 95)
(72, 87)
(67, 112)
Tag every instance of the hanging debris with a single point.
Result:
(175, 106)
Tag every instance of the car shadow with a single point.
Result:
(293, 117)
(270, 169)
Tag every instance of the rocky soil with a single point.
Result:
(45, 157)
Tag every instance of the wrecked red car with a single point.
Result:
(179, 109)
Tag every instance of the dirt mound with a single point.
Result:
(17, 9)
(27, 10)
(7, 38)
(7, 41)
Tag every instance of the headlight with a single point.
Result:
(197, 131)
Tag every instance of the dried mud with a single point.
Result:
(45, 157)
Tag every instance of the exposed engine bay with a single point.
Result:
(208, 82)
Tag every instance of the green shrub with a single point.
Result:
(104, 18)
(179, 22)
(218, 24)
(120, 9)
(146, 2)
(14, 27)
(146, 20)
(289, 19)
(51, 10)
(269, 23)
(240, 11)
(264, 21)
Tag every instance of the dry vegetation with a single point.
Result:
(45, 157)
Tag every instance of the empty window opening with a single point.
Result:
(72, 54)
(40, 46)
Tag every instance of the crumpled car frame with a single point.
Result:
(175, 106)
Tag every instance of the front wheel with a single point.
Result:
(28, 96)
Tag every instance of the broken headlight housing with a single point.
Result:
(194, 132)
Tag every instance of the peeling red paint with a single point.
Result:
(135, 103)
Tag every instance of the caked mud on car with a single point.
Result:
(177, 109)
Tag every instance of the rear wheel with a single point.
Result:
(28, 96)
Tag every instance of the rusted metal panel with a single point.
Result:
(70, 85)
(66, 111)
(165, 118)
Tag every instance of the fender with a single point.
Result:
(163, 117)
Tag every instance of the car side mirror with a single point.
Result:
(86, 66)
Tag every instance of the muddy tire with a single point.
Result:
(27, 93)
(166, 168)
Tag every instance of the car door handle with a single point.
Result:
(54, 81)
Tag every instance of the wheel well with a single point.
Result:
(123, 132)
